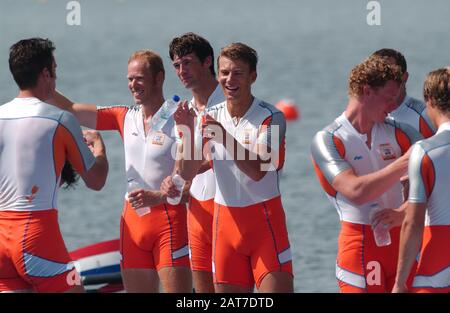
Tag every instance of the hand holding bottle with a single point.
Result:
(172, 187)
(178, 183)
(135, 197)
(380, 228)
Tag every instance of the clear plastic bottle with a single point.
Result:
(133, 185)
(381, 235)
(179, 182)
(167, 109)
(380, 232)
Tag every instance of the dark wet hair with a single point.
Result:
(69, 177)
(27, 59)
(192, 43)
(396, 55)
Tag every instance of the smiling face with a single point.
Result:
(140, 81)
(236, 79)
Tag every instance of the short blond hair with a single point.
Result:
(374, 72)
(436, 89)
(242, 52)
(152, 60)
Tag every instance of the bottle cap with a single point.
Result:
(176, 98)
(178, 181)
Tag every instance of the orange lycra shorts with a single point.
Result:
(155, 240)
(361, 265)
(434, 262)
(33, 255)
(200, 219)
(249, 243)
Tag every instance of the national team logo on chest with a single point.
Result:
(246, 138)
(386, 151)
(158, 139)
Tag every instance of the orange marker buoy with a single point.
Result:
(289, 109)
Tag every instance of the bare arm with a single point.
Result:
(249, 162)
(95, 177)
(205, 166)
(143, 198)
(390, 217)
(362, 189)
(188, 160)
(85, 113)
(189, 156)
(410, 242)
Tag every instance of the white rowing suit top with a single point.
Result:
(261, 124)
(148, 158)
(413, 112)
(429, 176)
(36, 139)
(204, 185)
(340, 146)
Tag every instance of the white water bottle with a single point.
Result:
(179, 182)
(133, 185)
(166, 110)
(380, 232)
